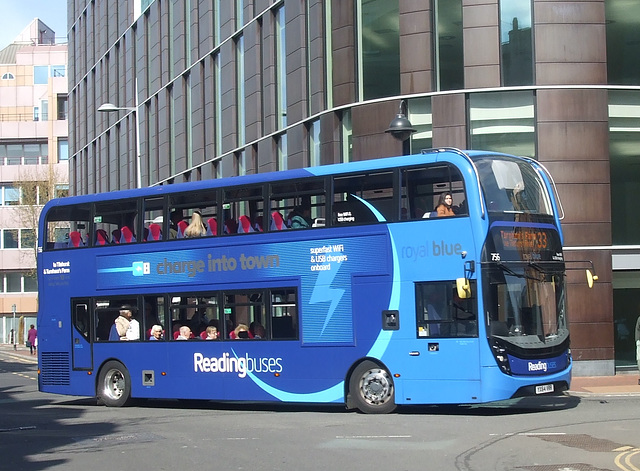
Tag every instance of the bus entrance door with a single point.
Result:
(81, 346)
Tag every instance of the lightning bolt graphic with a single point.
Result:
(322, 292)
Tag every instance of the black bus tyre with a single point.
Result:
(114, 385)
(371, 389)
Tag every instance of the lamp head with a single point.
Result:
(108, 107)
(400, 127)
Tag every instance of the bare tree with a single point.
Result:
(37, 185)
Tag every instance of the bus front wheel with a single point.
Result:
(114, 385)
(371, 389)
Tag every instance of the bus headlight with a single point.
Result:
(500, 354)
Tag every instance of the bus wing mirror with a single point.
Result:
(464, 288)
(591, 278)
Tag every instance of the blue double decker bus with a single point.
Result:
(425, 279)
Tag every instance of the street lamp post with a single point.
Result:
(109, 107)
(13, 309)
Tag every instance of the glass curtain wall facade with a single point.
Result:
(228, 88)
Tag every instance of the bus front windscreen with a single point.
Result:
(525, 307)
(512, 186)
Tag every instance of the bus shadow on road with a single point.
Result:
(521, 405)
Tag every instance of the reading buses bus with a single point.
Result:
(355, 283)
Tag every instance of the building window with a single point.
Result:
(44, 107)
(61, 190)
(63, 149)
(347, 137)
(240, 98)
(8, 76)
(623, 42)
(218, 102)
(421, 119)
(11, 196)
(27, 238)
(18, 154)
(40, 74)
(328, 55)
(379, 51)
(503, 122)
(145, 3)
(624, 154)
(516, 41)
(10, 238)
(626, 290)
(31, 154)
(241, 163)
(282, 152)
(17, 282)
(314, 143)
(63, 107)
(30, 283)
(14, 282)
(449, 45)
(239, 14)
(281, 69)
(58, 71)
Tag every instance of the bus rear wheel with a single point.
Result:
(371, 389)
(114, 385)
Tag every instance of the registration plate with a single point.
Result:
(545, 388)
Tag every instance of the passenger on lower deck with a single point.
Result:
(156, 332)
(211, 333)
(184, 333)
(241, 332)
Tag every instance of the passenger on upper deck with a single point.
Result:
(300, 217)
(197, 227)
(445, 205)
(175, 216)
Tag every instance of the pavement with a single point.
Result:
(622, 384)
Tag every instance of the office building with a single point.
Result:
(33, 162)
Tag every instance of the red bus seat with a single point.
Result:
(244, 225)
(212, 227)
(75, 239)
(126, 236)
(155, 232)
(277, 222)
(182, 226)
(101, 237)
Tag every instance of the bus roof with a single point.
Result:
(427, 156)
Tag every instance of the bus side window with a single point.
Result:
(284, 314)
(81, 317)
(364, 199)
(119, 218)
(153, 219)
(243, 210)
(61, 222)
(422, 187)
(441, 313)
(180, 212)
(303, 200)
